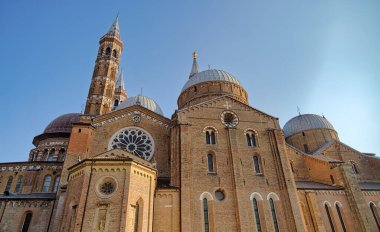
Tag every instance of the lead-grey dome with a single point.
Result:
(305, 122)
(210, 75)
(143, 101)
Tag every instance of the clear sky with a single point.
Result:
(323, 56)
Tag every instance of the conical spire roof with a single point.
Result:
(120, 81)
(114, 29)
(195, 67)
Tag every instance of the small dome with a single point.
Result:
(210, 75)
(305, 122)
(63, 123)
(143, 101)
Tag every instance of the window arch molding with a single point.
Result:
(256, 195)
(251, 137)
(210, 133)
(273, 195)
(206, 195)
(26, 219)
(330, 217)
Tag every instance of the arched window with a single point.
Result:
(354, 167)
(46, 186)
(340, 217)
(62, 151)
(256, 164)
(116, 103)
(329, 217)
(114, 53)
(257, 214)
(251, 139)
(210, 163)
(274, 216)
(136, 221)
(19, 184)
(206, 215)
(375, 214)
(210, 137)
(56, 183)
(9, 184)
(108, 51)
(25, 225)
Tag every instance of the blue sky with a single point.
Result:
(323, 56)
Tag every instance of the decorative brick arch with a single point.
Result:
(256, 195)
(274, 196)
(206, 195)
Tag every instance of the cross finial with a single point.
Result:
(227, 105)
(298, 110)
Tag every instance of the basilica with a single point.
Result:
(217, 164)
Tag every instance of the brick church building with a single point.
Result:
(217, 164)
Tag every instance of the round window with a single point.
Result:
(107, 188)
(219, 195)
(229, 119)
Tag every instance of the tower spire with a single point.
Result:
(113, 31)
(195, 67)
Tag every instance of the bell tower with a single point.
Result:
(102, 88)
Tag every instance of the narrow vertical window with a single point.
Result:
(274, 216)
(340, 217)
(9, 184)
(375, 214)
(354, 168)
(332, 179)
(136, 222)
(208, 137)
(256, 164)
(212, 135)
(205, 215)
(56, 183)
(19, 184)
(306, 148)
(46, 186)
(210, 163)
(330, 219)
(251, 139)
(25, 225)
(257, 215)
(73, 217)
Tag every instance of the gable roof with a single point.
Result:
(231, 97)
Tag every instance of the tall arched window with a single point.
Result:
(108, 51)
(329, 217)
(9, 184)
(256, 164)
(375, 214)
(251, 139)
(56, 183)
(257, 214)
(340, 217)
(25, 225)
(210, 163)
(274, 216)
(114, 53)
(46, 186)
(206, 215)
(136, 222)
(210, 137)
(19, 184)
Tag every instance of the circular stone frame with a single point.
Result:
(106, 180)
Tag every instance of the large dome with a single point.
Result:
(62, 124)
(210, 75)
(305, 122)
(144, 101)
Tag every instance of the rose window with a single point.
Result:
(107, 188)
(135, 141)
